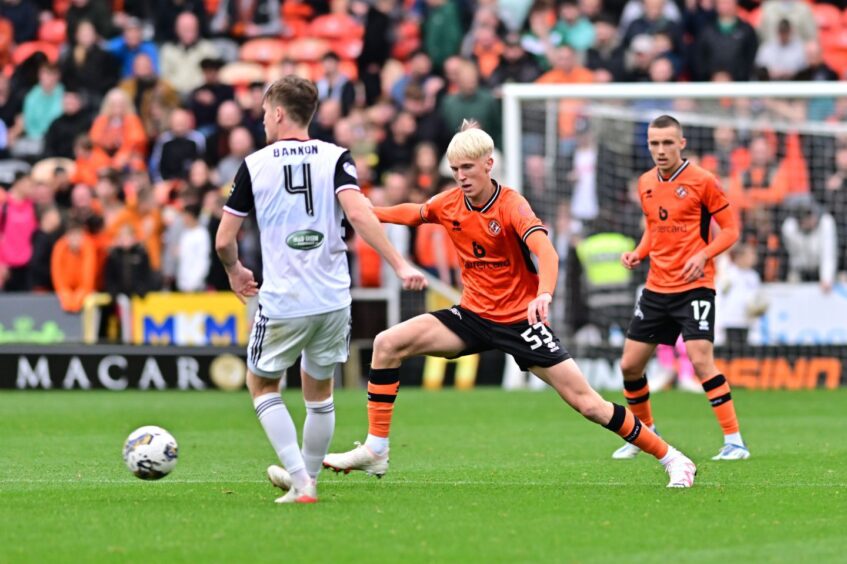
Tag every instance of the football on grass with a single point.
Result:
(150, 452)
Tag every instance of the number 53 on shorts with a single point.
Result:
(538, 335)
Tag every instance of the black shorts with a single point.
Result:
(659, 318)
(534, 345)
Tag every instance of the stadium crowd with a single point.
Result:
(123, 122)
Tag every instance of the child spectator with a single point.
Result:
(194, 257)
(739, 297)
(73, 266)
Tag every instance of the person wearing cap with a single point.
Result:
(810, 237)
(208, 97)
(516, 65)
(784, 56)
(130, 44)
(606, 56)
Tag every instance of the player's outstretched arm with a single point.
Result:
(358, 211)
(548, 271)
(241, 279)
(401, 214)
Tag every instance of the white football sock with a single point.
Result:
(279, 427)
(733, 439)
(377, 444)
(672, 453)
(317, 433)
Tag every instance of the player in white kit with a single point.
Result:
(301, 189)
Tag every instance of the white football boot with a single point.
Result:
(360, 458)
(306, 494)
(279, 477)
(730, 451)
(627, 451)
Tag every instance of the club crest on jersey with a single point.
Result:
(681, 192)
(494, 227)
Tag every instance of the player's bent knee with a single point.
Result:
(592, 408)
(387, 346)
(259, 386)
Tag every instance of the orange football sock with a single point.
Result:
(718, 392)
(632, 430)
(383, 384)
(637, 394)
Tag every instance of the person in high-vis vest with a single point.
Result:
(608, 283)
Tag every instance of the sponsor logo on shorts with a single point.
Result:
(638, 313)
(456, 312)
(305, 240)
(704, 325)
(494, 227)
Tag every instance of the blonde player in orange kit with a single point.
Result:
(504, 306)
(679, 200)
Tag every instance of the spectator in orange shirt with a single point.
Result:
(767, 181)
(566, 70)
(118, 133)
(73, 267)
(146, 219)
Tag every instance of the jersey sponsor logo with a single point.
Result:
(305, 240)
(350, 169)
(675, 228)
(663, 213)
(648, 194)
(483, 265)
(681, 192)
(494, 227)
(457, 226)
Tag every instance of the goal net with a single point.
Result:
(779, 150)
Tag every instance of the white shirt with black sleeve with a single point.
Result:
(292, 184)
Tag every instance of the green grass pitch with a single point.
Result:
(485, 476)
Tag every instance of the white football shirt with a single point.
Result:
(292, 184)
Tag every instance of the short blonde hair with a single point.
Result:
(470, 143)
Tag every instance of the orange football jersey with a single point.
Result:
(498, 274)
(679, 213)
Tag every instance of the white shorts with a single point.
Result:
(322, 339)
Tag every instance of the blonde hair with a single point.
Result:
(470, 143)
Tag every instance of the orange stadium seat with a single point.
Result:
(347, 48)
(307, 49)
(265, 50)
(240, 73)
(754, 17)
(335, 26)
(53, 31)
(298, 28)
(23, 51)
(827, 16)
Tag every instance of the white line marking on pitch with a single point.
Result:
(356, 483)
